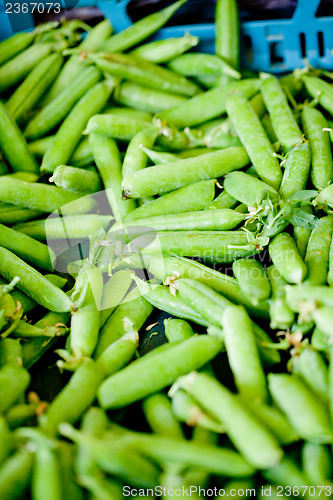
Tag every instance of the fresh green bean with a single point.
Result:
(15, 44)
(246, 188)
(119, 353)
(165, 50)
(76, 180)
(198, 64)
(227, 43)
(252, 279)
(116, 126)
(69, 133)
(296, 170)
(285, 257)
(318, 251)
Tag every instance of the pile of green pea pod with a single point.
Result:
(218, 191)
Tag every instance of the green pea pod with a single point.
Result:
(177, 330)
(283, 121)
(252, 279)
(314, 124)
(115, 126)
(26, 96)
(321, 90)
(148, 375)
(306, 414)
(69, 133)
(198, 64)
(141, 29)
(302, 235)
(6, 441)
(241, 426)
(158, 412)
(297, 168)
(46, 478)
(15, 44)
(281, 315)
(311, 367)
(246, 188)
(324, 200)
(135, 158)
(129, 113)
(10, 352)
(286, 258)
(15, 475)
(322, 318)
(76, 180)
(165, 50)
(208, 105)
(254, 139)
(227, 43)
(317, 463)
(70, 488)
(54, 112)
(34, 284)
(17, 69)
(318, 251)
(223, 200)
(14, 380)
(119, 353)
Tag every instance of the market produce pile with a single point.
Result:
(144, 178)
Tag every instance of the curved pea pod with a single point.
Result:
(14, 380)
(26, 96)
(158, 412)
(185, 199)
(246, 188)
(146, 99)
(241, 426)
(297, 168)
(314, 124)
(243, 355)
(17, 68)
(135, 158)
(227, 42)
(119, 353)
(321, 90)
(307, 415)
(141, 29)
(15, 44)
(34, 284)
(69, 133)
(199, 64)
(177, 330)
(76, 180)
(311, 367)
(317, 463)
(283, 121)
(54, 112)
(301, 235)
(116, 127)
(280, 314)
(317, 254)
(254, 139)
(286, 258)
(163, 178)
(148, 375)
(46, 478)
(207, 105)
(165, 50)
(223, 200)
(15, 475)
(252, 279)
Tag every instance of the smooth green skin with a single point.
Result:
(13, 144)
(14, 380)
(283, 121)
(55, 112)
(27, 248)
(136, 310)
(33, 350)
(10, 214)
(246, 188)
(223, 219)
(296, 172)
(141, 29)
(306, 414)
(146, 99)
(135, 158)
(322, 165)
(211, 246)
(76, 180)
(321, 90)
(158, 412)
(17, 69)
(148, 375)
(15, 475)
(199, 64)
(15, 44)
(114, 291)
(26, 96)
(46, 478)
(185, 199)
(310, 365)
(318, 251)
(227, 31)
(158, 157)
(10, 350)
(287, 473)
(242, 427)
(82, 156)
(74, 66)
(317, 464)
(69, 133)
(72, 226)
(302, 235)
(42, 197)
(38, 148)
(208, 105)
(177, 330)
(211, 306)
(32, 283)
(251, 277)
(107, 158)
(165, 50)
(323, 318)
(243, 355)
(254, 139)
(6, 441)
(223, 200)
(71, 490)
(72, 401)
(285, 257)
(331, 384)
(129, 113)
(117, 127)
(330, 267)
(281, 316)
(144, 73)
(163, 178)
(118, 354)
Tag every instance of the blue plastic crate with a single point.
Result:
(275, 46)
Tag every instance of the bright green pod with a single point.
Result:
(246, 188)
(199, 64)
(317, 463)
(158, 412)
(311, 367)
(15, 475)
(321, 90)
(251, 277)
(15, 44)
(281, 316)
(161, 51)
(227, 43)
(117, 127)
(14, 380)
(177, 330)
(287, 260)
(317, 254)
(135, 158)
(76, 180)
(296, 172)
